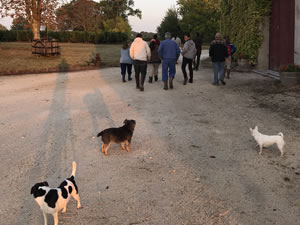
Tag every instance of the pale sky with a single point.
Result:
(152, 13)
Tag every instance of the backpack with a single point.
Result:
(152, 45)
(232, 49)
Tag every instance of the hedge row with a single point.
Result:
(242, 20)
(67, 36)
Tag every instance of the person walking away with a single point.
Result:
(169, 53)
(140, 53)
(125, 62)
(156, 40)
(188, 52)
(231, 49)
(154, 60)
(178, 41)
(218, 53)
(198, 43)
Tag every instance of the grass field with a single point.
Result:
(16, 57)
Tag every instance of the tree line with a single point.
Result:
(192, 16)
(241, 20)
(77, 15)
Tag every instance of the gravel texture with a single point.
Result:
(192, 160)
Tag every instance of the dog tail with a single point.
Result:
(100, 134)
(74, 167)
(281, 134)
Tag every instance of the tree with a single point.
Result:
(119, 8)
(170, 23)
(36, 12)
(200, 16)
(20, 23)
(82, 15)
(87, 15)
(117, 25)
(116, 14)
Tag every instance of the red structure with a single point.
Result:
(282, 33)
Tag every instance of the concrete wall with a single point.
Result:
(297, 32)
(263, 54)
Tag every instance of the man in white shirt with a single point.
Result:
(141, 54)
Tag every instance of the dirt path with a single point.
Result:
(192, 162)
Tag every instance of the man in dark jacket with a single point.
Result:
(218, 53)
(198, 43)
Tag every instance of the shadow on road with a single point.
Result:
(52, 153)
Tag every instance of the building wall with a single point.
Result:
(263, 54)
(282, 33)
(297, 32)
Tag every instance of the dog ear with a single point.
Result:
(34, 189)
(36, 192)
(250, 129)
(256, 128)
(125, 121)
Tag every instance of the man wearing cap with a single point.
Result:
(218, 53)
(169, 53)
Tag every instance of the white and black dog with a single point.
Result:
(52, 200)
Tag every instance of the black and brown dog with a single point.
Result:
(118, 135)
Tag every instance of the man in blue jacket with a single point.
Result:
(169, 53)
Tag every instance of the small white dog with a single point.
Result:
(52, 200)
(264, 141)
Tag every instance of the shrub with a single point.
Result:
(290, 68)
(66, 36)
(242, 21)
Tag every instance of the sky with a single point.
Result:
(153, 12)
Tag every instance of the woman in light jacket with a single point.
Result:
(125, 62)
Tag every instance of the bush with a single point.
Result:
(66, 36)
(242, 21)
(290, 68)
(23, 35)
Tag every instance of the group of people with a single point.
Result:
(141, 55)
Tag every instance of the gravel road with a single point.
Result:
(192, 158)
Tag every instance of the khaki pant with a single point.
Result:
(153, 69)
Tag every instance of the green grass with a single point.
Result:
(16, 57)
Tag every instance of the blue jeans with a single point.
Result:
(218, 68)
(168, 69)
(125, 66)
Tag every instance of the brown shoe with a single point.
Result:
(166, 85)
(185, 81)
(171, 82)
